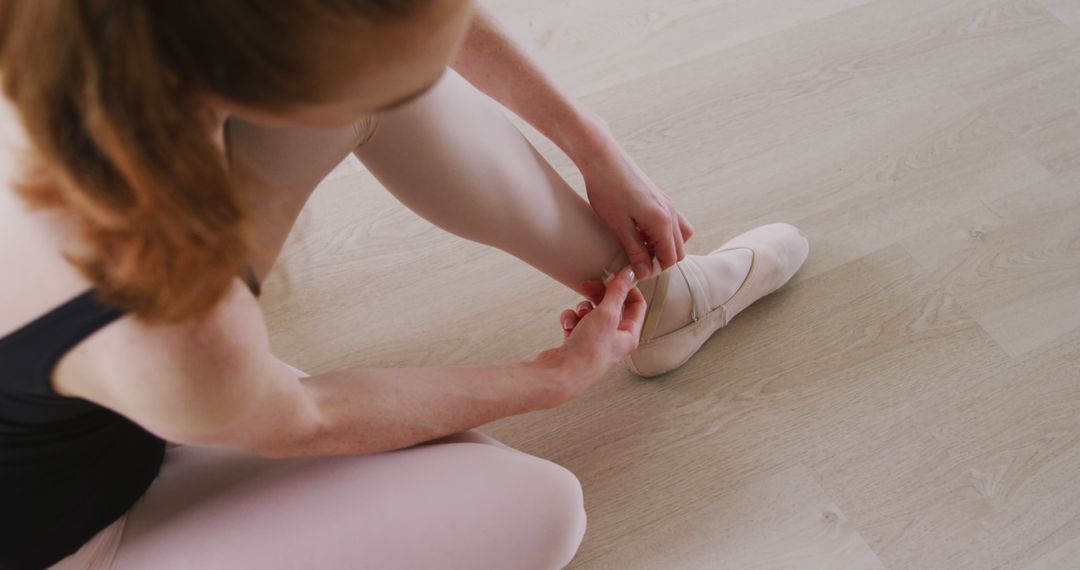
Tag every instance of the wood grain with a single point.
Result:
(784, 520)
(1067, 10)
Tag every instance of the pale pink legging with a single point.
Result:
(466, 501)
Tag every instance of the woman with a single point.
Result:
(155, 157)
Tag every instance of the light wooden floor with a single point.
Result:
(910, 400)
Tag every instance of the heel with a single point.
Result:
(670, 351)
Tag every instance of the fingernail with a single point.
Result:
(630, 277)
(642, 269)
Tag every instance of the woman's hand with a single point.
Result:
(598, 337)
(641, 215)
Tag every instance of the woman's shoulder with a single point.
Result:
(106, 365)
(110, 365)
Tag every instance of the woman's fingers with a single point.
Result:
(637, 251)
(680, 252)
(615, 294)
(685, 227)
(622, 307)
(594, 290)
(633, 313)
(662, 237)
(569, 319)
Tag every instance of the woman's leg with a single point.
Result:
(454, 158)
(460, 504)
(281, 167)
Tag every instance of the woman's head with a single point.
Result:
(321, 63)
(119, 99)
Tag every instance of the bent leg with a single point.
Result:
(455, 159)
(450, 505)
(280, 168)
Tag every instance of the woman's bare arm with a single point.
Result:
(216, 382)
(499, 66)
(643, 217)
(366, 410)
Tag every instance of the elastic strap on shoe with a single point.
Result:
(656, 306)
(694, 313)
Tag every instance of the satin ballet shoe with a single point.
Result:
(778, 250)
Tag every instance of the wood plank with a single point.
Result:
(1013, 263)
(784, 520)
(1037, 101)
(1060, 558)
(589, 46)
(1067, 10)
(1019, 438)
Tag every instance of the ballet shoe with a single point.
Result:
(777, 250)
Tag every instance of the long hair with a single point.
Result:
(121, 143)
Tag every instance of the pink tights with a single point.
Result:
(467, 502)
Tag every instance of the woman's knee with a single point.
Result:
(538, 504)
(556, 509)
(570, 516)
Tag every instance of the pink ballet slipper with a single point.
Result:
(778, 251)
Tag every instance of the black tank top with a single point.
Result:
(68, 467)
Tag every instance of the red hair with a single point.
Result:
(107, 91)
